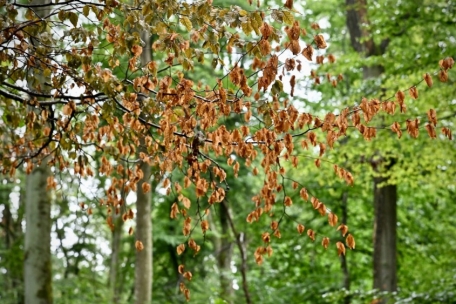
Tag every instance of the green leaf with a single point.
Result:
(267, 119)
(214, 63)
(247, 27)
(288, 17)
(62, 15)
(73, 18)
(243, 13)
(277, 87)
(86, 10)
(47, 72)
(186, 22)
(29, 14)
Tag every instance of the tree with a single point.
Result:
(37, 261)
(143, 271)
(87, 107)
(385, 193)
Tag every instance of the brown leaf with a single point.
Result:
(320, 41)
(350, 241)
(300, 228)
(145, 187)
(413, 92)
(136, 50)
(289, 4)
(274, 225)
(443, 76)
(204, 226)
(400, 97)
(287, 201)
(188, 275)
(446, 63)
(413, 127)
(304, 195)
(432, 116)
(343, 229)
(187, 294)
(180, 269)
(396, 128)
(308, 52)
(447, 132)
(311, 234)
(325, 242)
(340, 248)
(332, 219)
(428, 79)
(322, 209)
(139, 246)
(277, 234)
(431, 131)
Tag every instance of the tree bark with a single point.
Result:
(385, 195)
(37, 262)
(241, 244)
(37, 248)
(143, 269)
(343, 258)
(385, 261)
(12, 234)
(225, 255)
(115, 257)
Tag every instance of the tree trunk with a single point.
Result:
(143, 269)
(115, 257)
(385, 262)
(385, 196)
(37, 262)
(225, 256)
(12, 237)
(343, 258)
(37, 248)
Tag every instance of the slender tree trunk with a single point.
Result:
(385, 195)
(343, 258)
(115, 258)
(11, 235)
(241, 244)
(37, 248)
(37, 262)
(143, 269)
(225, 256)
(385, 261)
